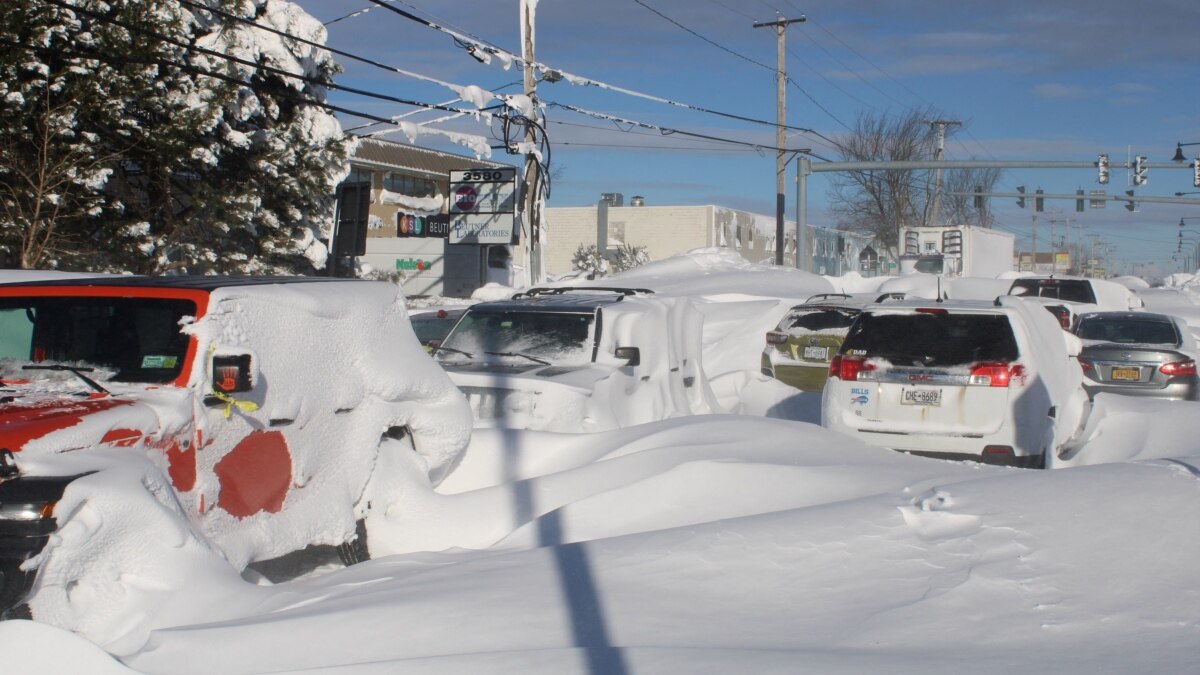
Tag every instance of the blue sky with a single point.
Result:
(1029, 80)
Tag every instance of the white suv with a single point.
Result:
(993, 382)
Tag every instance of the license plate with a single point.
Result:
(1133, 374)
(816, 353)
(921, 396)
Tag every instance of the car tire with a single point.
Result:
(355, 550)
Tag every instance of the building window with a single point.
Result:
(358, 175)
(409, 185)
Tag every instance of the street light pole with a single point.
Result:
(780, 26)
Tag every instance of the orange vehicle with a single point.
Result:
(260, 405)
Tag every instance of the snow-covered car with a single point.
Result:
(798, 351)
(1066, 297)
(993, 382)
(263, 415)
(1137, 354)
(433, 325)
(579, 359)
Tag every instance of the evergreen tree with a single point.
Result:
(628, 256)
(156, 136)
(588, 259)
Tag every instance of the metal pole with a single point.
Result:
(780, 25)
(803, 169)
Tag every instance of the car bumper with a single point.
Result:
(1177, 391)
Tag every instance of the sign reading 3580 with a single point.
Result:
(483, 191)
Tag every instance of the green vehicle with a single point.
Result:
(798, 351)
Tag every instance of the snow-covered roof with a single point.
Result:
(384, 154)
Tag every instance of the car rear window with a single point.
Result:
(823, 319)
(1071, 290)
(1128, 330)
(932, 339)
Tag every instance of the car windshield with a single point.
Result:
(563, 338)
(1071, 290)
(433, 325)
(1128, 330)
(134, 339)
(932, 339)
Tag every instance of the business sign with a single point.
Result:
(483, 206)
(482, 228)
(411, 225)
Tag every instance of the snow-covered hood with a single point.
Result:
(40, 419)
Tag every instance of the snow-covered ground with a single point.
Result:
(723, 543)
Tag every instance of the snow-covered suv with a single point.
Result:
(993, 382)
(579, 359)
(262, 415)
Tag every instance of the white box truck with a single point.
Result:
(957, 250)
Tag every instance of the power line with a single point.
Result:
(465, 38)
(668, 131)
(709, 41)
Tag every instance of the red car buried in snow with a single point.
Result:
(261, 410)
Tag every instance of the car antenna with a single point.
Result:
(939, 290)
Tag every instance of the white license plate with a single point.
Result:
(921, 396)
(816, 352)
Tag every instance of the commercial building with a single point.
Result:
(410, 205)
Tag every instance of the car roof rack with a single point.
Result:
(568, 289)
(824, 296)
(890, 296)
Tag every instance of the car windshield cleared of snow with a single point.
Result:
(1071, 290)
(1128, 330)
(562, 338)
(137, 338)
(932, 338)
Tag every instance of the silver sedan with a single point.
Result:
(1137, 354)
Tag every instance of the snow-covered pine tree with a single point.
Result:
(129, 141)
(628, 256)
(588, 259)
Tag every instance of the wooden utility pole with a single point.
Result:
(531, 220)
(937, 173)
(780, 25)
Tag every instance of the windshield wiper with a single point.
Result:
(535, 359)
(78, 372)
(440, 348)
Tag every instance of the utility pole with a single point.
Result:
(780, 25)
(1033, 244)
(530, 202)
(940, 125)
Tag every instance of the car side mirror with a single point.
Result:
(231, 373)
(632, 355)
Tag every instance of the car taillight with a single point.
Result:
(776, 338)
(1063, 314)
(996, 373)
(850, 368)
(1086, 365)
(1179, 368)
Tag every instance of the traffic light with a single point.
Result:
(1130, 205)
(979, 197)
(1196, 172)
(1021, 199)
(1079, 201)
(1039, 202)
(1139, 170)
(1102, 165)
